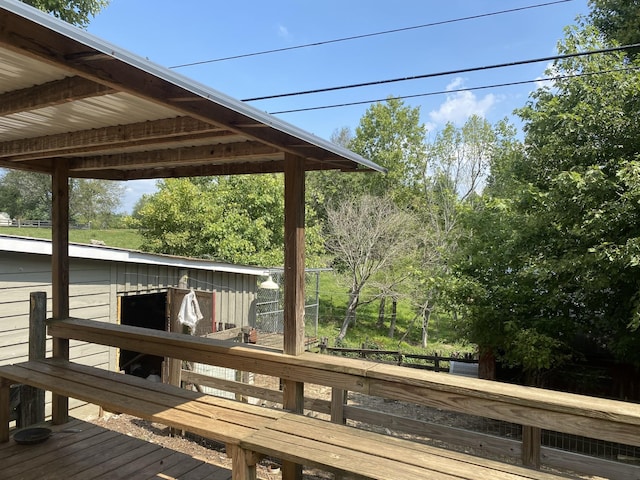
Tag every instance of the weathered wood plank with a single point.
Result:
(479, 442)
(597, 467)
(5, 401)
(211, 417)
(331, 443)
(74, 457)
(78, 456)
(37, 466)
(124, 466)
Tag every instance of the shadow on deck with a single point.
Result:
(80, 450)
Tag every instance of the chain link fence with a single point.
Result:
(270, 303)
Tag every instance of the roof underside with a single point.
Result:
(67, 97)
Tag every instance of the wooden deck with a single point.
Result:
(79, 451)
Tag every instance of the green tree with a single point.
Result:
(77, 12)
(458, 160)
(27, 196)
(237, 219)
(391, 135)
(94, 201)
(553, 261)
(618, 20)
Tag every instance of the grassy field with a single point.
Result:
(123, 238)
(442, 335)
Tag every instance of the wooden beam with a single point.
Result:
(228, 168)
(241, 168)
(531, 446)
(31, 398)
(176, 157)
(294, 254)
(41, 166)
(157, 133)
(60, 274)
(52, 93)
(60, 241)
(294, 260)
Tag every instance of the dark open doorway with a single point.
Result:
(148, 311)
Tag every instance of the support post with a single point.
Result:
(531, 443)
(60, 274)
(294, 263)
(243, 463)
(5, 414)
(31, 398)
(338, 400)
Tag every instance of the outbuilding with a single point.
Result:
(121, 286)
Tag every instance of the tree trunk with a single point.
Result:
(486, 363)
(380, 323)
(426, 316)
(354, 297)
(392, 323)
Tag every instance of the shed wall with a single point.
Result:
(95, 286)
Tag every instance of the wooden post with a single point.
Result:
(338, 400)
(531, 443)
(31, 398)
(5, 406)
(243, 463)
(294, 259)
(294, 255)
(60, 274)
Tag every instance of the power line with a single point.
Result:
(458, 90)
(367, 35)
(448, 72)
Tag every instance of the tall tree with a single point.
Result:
(77, 12)
(555, 253)
(27, 196)
(391, 135)
(238, 219)
(618, 20)
(366, 235)
(453, 175)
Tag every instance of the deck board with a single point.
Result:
(98, 453)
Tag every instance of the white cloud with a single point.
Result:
(283, 31)
(459, 106)
(457, 83)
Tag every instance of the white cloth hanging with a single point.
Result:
(190, 313)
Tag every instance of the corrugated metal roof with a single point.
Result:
(68, 95)
(37, 246)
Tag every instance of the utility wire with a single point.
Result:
(448, 72)
(367, 35)
(458, 90)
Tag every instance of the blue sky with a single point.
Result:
(173, 33)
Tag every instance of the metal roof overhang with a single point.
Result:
(67, 96)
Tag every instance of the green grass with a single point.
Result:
(443, 337)
(122, 238)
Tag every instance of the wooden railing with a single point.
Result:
(534, 409)
(434, 362)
